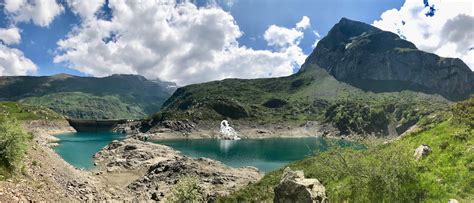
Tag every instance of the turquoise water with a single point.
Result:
(78, 148)
(265, 154)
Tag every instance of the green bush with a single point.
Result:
(187, 190)
(13, 144)
(463, 112)
(355, 117)
(365, 176)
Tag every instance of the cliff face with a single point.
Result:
(379, 61)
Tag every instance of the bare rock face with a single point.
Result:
(372, 59)
(132, 154)
(422, 151)
(294, 187)
(163, 167)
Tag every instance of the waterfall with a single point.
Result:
(227, 132)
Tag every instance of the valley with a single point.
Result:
(351, 117)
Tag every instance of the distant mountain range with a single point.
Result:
(112, 97)
(359, 78)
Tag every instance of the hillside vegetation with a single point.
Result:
(389, 172)
(13, 138)
(359, 78)
(112, 97)
(22, 111)
(88, 106)
(312, 94)
(13, 144)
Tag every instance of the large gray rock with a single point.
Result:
(372, 59)
(294, 187)
(422, 151)
(160, 168)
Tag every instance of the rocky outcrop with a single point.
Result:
(275, 103)
(422, 151)
(294, 187)
(132, 154)
(376, 60)
(229, 108)
(163, 168)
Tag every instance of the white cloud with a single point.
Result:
(176, 42)
(318, 38)
(40, 12)
(85, 8)
(12, 62)
(288, 39)
(10, 35)
(304, 23)
(449, 32)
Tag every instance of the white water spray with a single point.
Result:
(227, 132)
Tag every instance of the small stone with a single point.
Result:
(422, 151)
(155, 197)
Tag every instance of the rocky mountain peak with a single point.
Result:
(380, 61)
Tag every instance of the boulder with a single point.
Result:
(422, 151)
(294, 187)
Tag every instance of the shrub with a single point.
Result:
(13, 143)
(463, 112)
(365, 176)
(355, 117)
(187, 190)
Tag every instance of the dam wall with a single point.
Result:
(94, 125)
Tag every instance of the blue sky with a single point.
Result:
(244, 21)
(252, 16)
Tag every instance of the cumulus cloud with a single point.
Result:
(288, 39)
(304, 23)
(85, 9)
(13, 62)
(10, 35)
(442, 27)
(176, 42)
(40, 12)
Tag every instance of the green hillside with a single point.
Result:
(356, 79)
(112, 97)
(13, 138)
(311, 94)
(22, 111)
(388, 172)
(88, 106)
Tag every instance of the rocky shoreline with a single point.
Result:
(162, 168)
(127, 170)
(145, 130)
(45, 176)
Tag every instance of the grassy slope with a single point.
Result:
(13, 139)
(116, 96)
(22, 111)
(448, 172)
(88, 106)
(308, 95)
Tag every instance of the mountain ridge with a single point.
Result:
(117, 96)
(367, 57)
(317, 92)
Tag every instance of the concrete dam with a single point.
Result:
(94, 125)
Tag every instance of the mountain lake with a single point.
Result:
(265, 154)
